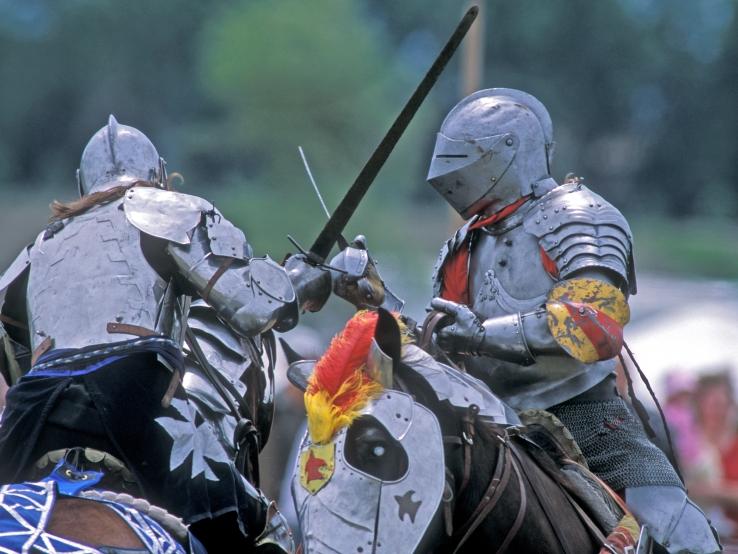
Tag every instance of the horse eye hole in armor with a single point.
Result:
(372, 450)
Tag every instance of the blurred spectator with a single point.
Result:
(708, 447)
(679, 413)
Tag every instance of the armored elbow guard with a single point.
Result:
(586, 318)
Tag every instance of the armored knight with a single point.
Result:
(536, 284)
(95, 315)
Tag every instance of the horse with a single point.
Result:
(404, 454)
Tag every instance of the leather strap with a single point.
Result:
(468, 422)
(491, 496)
(128, 329)
(41, 349)
(214, 279)
(522, 507)
(429, 327)
(174, 382)
(13, 322)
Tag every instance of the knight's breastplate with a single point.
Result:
(87, 274)
(506, 274)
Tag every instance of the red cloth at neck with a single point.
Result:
(455, 271)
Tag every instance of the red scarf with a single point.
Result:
(455, 271)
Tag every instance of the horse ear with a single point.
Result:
(289, 353)
(299, 372)
(387, 335)
(385, 350)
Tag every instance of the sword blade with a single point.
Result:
(337, 222)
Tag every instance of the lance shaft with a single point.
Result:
(324, 243)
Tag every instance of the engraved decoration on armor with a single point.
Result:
(493, 291)
(116, 285)
(586, 318)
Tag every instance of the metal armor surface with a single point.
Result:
(375, 514)
(672, 519)
(19, 266)
(461, 390)
(507, 277)
(89, 273)
(493, 147)
(235, 358)
(165, 214)
(579, 230)
(118, 154)
(251, 296)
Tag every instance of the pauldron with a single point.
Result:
(578, 230)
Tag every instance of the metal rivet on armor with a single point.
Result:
(581, 310)
(502, 263)
(538, 221)
(556, 210)
(545, 217)
(509, 142)
(493, 179)
(599, 205)
(508, 242)
(550, 228)
(591, 205)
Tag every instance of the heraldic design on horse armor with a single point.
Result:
(536, 284)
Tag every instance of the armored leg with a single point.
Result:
(673, 520)
(617, 449)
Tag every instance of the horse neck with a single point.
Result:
(528, 528)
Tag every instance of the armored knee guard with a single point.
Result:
(673, 520)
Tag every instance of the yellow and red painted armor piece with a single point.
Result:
(586, 318)
(317, 463)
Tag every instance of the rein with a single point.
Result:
(509, 464)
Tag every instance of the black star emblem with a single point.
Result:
(406, 505)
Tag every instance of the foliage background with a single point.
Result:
(642, 94)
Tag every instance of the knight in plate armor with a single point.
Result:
(536, 284)
(96, 314)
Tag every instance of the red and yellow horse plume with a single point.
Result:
(339, 386)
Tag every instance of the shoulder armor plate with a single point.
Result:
(578, 229)
(164, 214)
(225, 238)
(19, 266)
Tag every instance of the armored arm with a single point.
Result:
(214, 261)
(251, 294)
(586, 244)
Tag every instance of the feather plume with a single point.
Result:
(339, 386)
